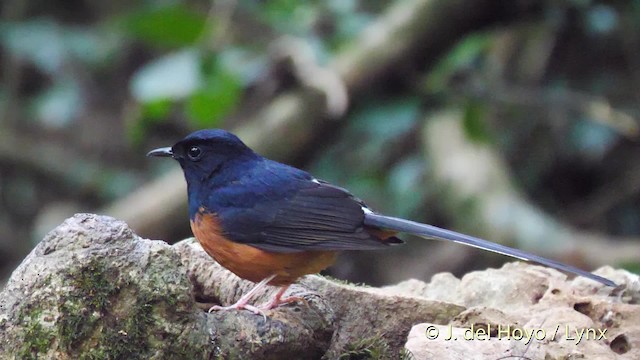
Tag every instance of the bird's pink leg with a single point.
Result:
(278, 300)
(243, 302)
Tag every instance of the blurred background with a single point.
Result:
(516, 121)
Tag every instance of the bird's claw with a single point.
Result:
(254, 309)
(280, 301)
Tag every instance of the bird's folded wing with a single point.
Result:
(314, 217)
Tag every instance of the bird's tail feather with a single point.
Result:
(433, 232)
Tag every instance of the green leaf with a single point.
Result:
(289, 16)
(386, 118)
(171, 26)
(473, 122)
(218, 96)
(150, 113)
(633, 267)
(463, 56)
(207, 107)
(156, 110)
(380, 121)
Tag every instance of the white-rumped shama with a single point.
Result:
(271, 223)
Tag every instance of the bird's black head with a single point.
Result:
(204, 154)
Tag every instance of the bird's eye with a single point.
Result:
(194, 153)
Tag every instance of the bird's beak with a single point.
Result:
(162, 152)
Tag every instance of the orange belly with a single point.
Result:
(253, 264)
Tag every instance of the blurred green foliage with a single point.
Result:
(374, 164)
(98, 82)
(170, 26)
(188, 71)
(465, 56)
(218, 96)
(474, 122)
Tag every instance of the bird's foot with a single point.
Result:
(240, 306)
(243, 303)
(277, 301)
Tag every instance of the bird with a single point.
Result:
(271, 223)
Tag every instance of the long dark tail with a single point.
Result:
(433, 232)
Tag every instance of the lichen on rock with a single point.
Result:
(92, 289)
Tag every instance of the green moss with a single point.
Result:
(93, 354)
(93, 287)
(374, 347)
(184, 352)
(126, 339)
(76, 324)
(131, 338)
(46, 282)
(105, 316)
(36, 339)
(172, 301)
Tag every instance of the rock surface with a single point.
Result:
(530, 312)
(93, 289)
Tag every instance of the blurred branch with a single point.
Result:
(219, 19)
(418, 30)
(475, 182)
(54, 161)
(596, 108)
(619, 190)
(299, 55)
(410, 29)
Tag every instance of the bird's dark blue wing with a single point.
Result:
(301, 214)
(321, 217)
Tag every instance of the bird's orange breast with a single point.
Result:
(251, 263)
